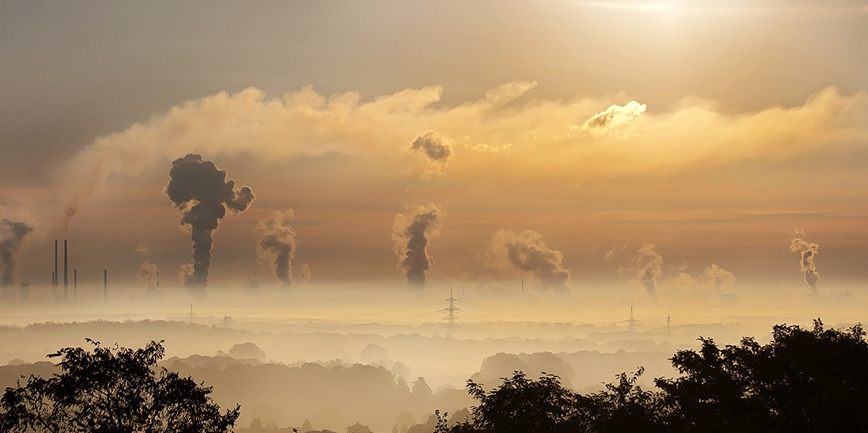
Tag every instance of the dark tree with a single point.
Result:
(115, 390)
(803, 380)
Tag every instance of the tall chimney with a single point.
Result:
(54, 282)
(75, 284)
(105, 285)
(65, 272)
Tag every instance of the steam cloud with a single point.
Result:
(808, 251)
(717, 276)
(608, 121)
(432, 145)
(650, 265)
(12, 234)
(149, 273)
(201, 191)
(528, 253)
(277, 243)
(411, 234)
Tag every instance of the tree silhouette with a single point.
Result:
(115, 390)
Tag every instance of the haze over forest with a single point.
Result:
(594, 185)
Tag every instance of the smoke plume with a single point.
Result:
(411, 234)
(718, 277)
(12, 234)
(608, 121)
(277, 243)
(650, 267)
(305, 272)
(203, 194)
(527, 252)
(437, 150)
(149, 274)
(808, 251)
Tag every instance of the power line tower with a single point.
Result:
(631, 320)
(450, 314)
(668, 324)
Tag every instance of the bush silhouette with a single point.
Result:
(115, 390)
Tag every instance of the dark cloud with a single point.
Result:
(433, 146)
(277, 243)
(528, 253)
(12, 234)
(807, 251)
(411, 234)
(201, 191)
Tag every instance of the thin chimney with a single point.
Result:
(75, 284)
(105, 285)
(65, 272)
(54, 280)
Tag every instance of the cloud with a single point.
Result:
(508, 92)
(142, 249)
(411, 233)
(277, 243)
(437, 150)
(609, 121)
(527, 252)
(203, 195)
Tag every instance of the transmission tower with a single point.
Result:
(450, 314)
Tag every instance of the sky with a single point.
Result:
(577, 145)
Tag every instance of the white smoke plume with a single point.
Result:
(527, 252)
(807, 251)
(649, 264)
(149, 273)
(277, 243)
(411, 234)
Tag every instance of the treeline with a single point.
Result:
(802, 381)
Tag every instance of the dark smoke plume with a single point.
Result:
(650, 268)
(432, 145)
(201, 191)
(11, 235)
(277, 243)
(808, 251)
(528, 253)
(411, 234)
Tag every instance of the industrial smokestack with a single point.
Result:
(201, 191)
(105, 285)
(75, 284)
(56, 274)
(65, 272)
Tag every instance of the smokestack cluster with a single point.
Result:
(277, 243)
(203, 194)
(12, 234)
(807, 250)
(527, 252)
(410, 234)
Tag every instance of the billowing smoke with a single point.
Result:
(201, 191)
(277, 243)
(650, 267)
(717, 277)
(149, 273)
(608, 121)
(433, 147)
(12, 234)
(807, 250)
(411, 234)
(527, 252)
(305, 272)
